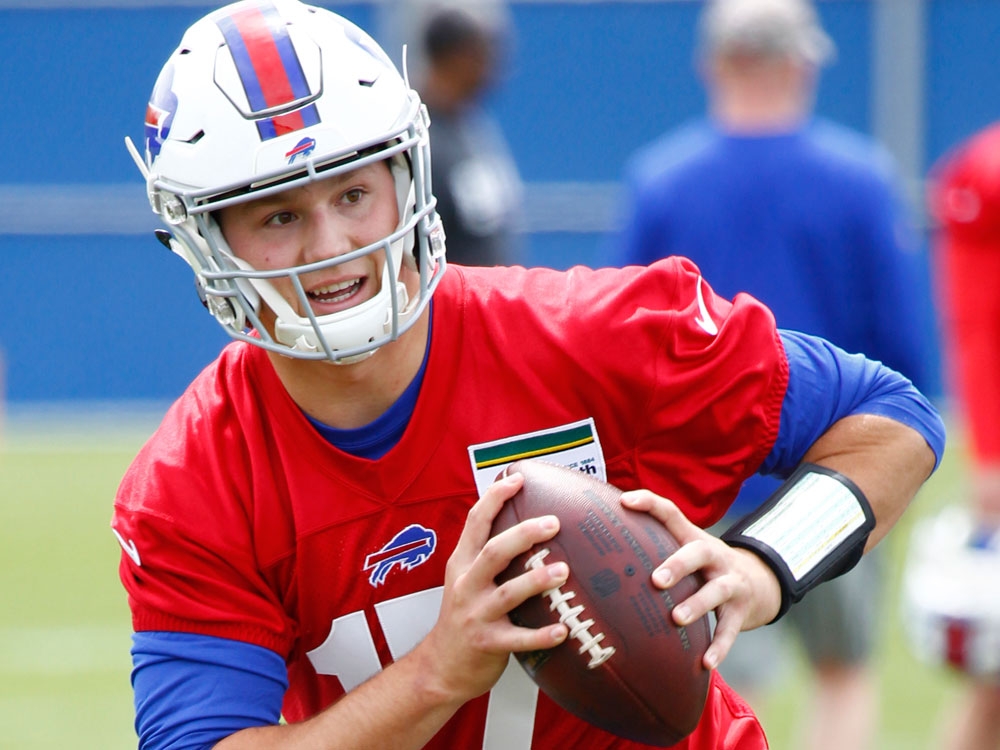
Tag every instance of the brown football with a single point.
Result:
(626, 667)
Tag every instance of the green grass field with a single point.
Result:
(64, 662)
(64, 625)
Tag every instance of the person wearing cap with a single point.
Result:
(964, 201)
(769, 198)
(476, 179)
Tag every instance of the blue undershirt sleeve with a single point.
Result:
(826, 384)
(191, 691)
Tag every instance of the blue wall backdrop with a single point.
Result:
(96, 309)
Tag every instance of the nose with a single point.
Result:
(327, 236)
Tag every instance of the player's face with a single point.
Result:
(315, 222)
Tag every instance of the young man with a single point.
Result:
(307, 535)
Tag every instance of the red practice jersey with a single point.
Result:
(250, 526)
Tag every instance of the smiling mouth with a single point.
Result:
(334, 293)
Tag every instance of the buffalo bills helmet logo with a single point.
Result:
(408, 549)
(303, 149)
(160, 113)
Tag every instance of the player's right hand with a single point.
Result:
(473, 638)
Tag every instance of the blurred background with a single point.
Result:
(102, 328)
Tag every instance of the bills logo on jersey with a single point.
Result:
(302, 149)
(160, 113)
(409, 548)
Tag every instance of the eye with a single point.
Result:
(353, 195)
(280, 218)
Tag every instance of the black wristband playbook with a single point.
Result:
(812, 529)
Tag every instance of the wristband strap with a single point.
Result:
(812, 529)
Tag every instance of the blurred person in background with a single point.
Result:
(964, 199)
(769, 199)
(478, 187)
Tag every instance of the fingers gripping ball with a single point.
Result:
(626, 667)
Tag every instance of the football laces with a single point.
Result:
(570, 617)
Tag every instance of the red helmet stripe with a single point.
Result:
(269, 67)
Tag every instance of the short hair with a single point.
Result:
(452, 29)
(764, 28)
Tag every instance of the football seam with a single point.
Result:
(652, 722)
(570, 616)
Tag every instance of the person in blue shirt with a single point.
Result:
(806, 215)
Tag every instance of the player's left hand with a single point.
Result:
(739, 586)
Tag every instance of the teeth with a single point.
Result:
(334, 288)
(330, 294)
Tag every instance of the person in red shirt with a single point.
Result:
(306, 537)
(964, 200)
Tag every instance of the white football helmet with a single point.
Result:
(265, 95)
(951, 595)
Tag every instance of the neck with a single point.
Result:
(759, 118)
(763, 98)
(351, 396)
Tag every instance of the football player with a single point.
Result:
(307, 535)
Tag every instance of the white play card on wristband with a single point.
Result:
(815, 516)
(813, 528)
